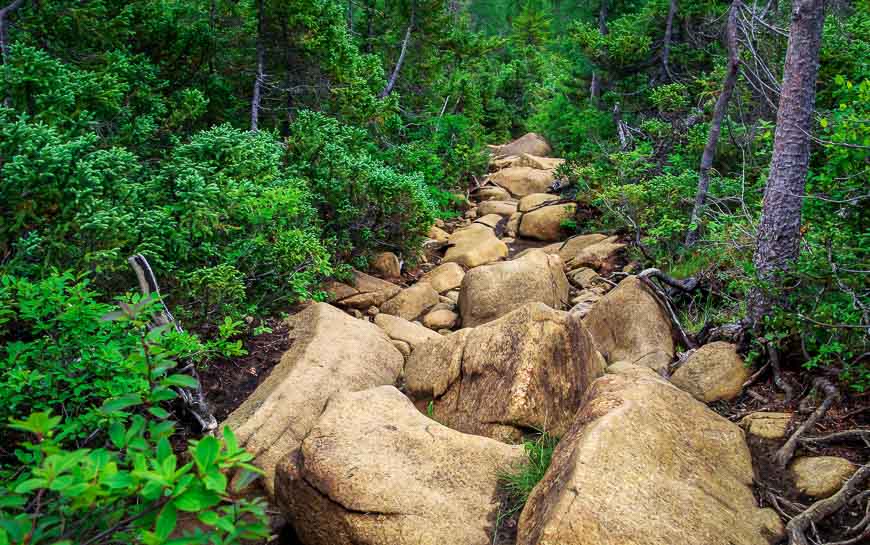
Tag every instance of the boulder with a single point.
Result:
(546, 223)
(542, 163)
(387, 264)
(644, 463)
(363, 291)
(535, 200)
(526, 370)
(529, 143)
(491, 291)
(400, 329)
(403, 347)
(513, 225)
(596, 256)
(583, 302)
(821, 476)
(440, 319)
(411, 302)
(329, 352)
(437, 234)
(489, 220)
(584, 278)
(713, 372)
(475, 245)
(522, 181)
(491, 193)
(629, 324)
(503, 162)
(444, 277)
(501, 208)
(374, 470)
(767, 425)
(572, 247)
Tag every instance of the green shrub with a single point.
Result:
(519, 483)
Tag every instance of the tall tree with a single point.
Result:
(715, 124)
(260, 76)
(595, 86)
(391, 83)
(779, 231)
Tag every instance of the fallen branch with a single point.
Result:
(845, 436)
(665, 301)
(820, 510)
(193, 399)
(688, 285)
(832, 394)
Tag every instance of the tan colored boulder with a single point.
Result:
(491, 193)
(513, 225)
(767, 425)
(713, 372)
(403, 347)
(535, 200)
(546, 223)
(821, 476)
(522, 181)
(542, 163)
(630, 325)
(399, 329)
(501, 208)
(475, 245)
(411, 302)
(444, 277)
(583, 303)
(440, 319)
(569, 249)
(644, 463)
(489, 220)
(584, 278)
(375, 470)
(491, 291)
(329, 352)
(387, 264)
(503, 162)
(363, 291)
(437, 234)
(530, 143)
(595, 256)
(526, 370)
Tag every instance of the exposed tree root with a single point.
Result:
(797, 527)
(646, 277)
(847, 435)
(832, 394)
(781, 382)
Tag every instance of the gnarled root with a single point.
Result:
(832, 394)
(818, 511)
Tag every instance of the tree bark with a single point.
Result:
(595, 85)
(715, 125)
(4, 28)
(395, 75)
(669, 32)
(260, 77)
(779, 231)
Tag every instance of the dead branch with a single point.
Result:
(781, 382)
(832, 394)
(395, 75)
(193, 399)
(820, 510)
(687, 285)
(665, 301)
(840, 436)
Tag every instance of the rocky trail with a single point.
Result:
(403, 401)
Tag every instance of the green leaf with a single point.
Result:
(118, 404)
(30, 485)
(206, 452)
(196, 499)
(208, 517)
(166, 521)
(182, 381)
(215, 480)
(116, 435)
(159, 412)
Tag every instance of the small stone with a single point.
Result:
(387, 264)
(767, 425)
(444, 277)
(584, 278)
(821, 476)
(357, 314)
(440, 319)
(501, 208)
(714, 372)
(411, 302)
(399, 329)
(453, 295)
(471, 214)
(373, 311)
(438, 234)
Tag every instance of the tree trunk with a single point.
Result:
(669, 31)
(779, 231)
(4, 28)
(395, 75)
(258, 80)
(595, 85)
(715, 125)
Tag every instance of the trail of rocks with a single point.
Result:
(397, 410)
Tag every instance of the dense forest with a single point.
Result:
(247, 151)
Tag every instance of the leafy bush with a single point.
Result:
(519, 484)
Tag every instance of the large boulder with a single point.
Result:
(362, 292)
(713, 372)
(475, 245)
(411, 302)
(535, 200)
(444, 277)
(629, 324)
(546, 223)
(526, 370)
(494, 290)
(491, 193)
(596, 256)
(400, 329)
(374, 470)
(529, 143)
(646, 464)
(329, 352)
(522, 181)
(501, 208)
(387, 264)
(438, 234)
(526, 160)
